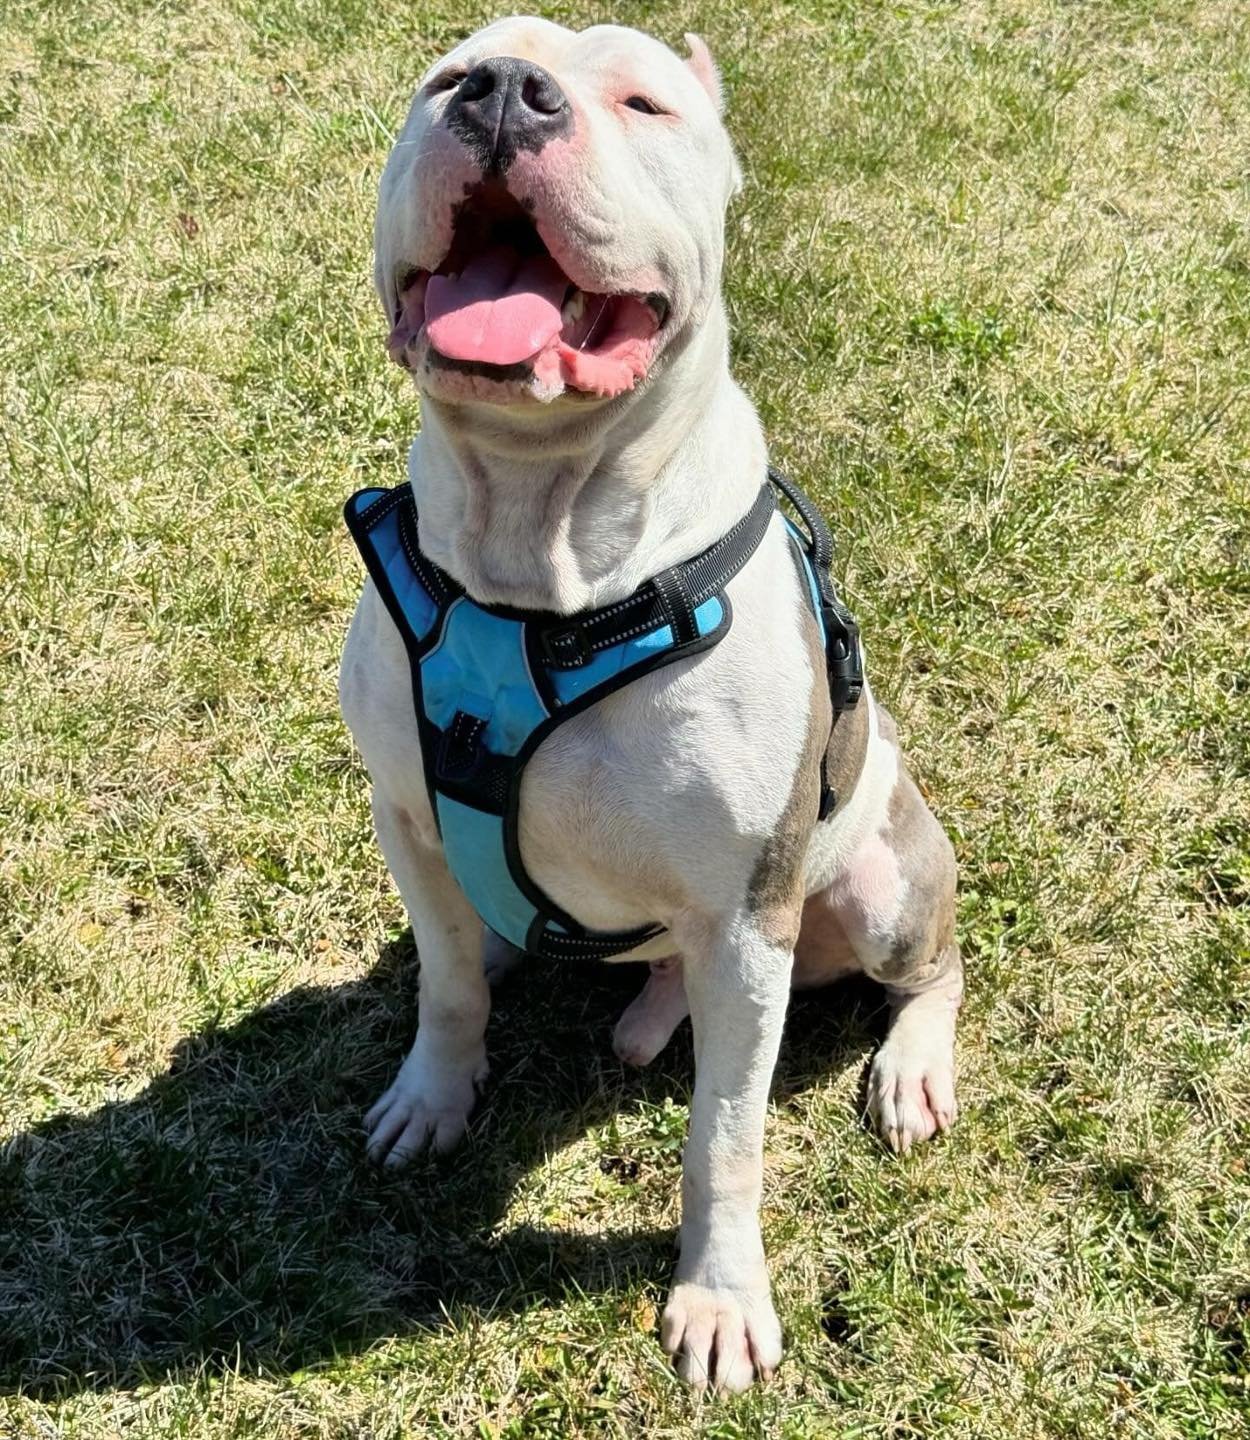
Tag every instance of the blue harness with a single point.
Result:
(490, 683)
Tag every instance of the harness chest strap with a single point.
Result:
(490, 683)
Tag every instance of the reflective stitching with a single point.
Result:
(629, 634)
(666, 605)
(659, 625)
(383, 505)
(630, 603)
(405, 539)
(383, 497)
(433, 589)
(651, 593)
(618, 607)
(467, 727)
(730, 536)
(595, 943)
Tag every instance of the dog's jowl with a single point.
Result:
(609, 701)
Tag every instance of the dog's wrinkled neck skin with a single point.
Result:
(572, 506)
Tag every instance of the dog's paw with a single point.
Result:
(721, 1338)
(423, 1107)
(911, 1094)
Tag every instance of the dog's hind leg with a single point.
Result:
(890, 911)
(647, 1025)
(436, 1087)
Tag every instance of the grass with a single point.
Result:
(990, 286)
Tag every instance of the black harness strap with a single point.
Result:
(819, 536)
(669, 598)
(842, 649)
(844, 662)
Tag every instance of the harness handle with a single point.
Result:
(843, 659)
(819, 536)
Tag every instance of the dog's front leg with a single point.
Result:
(436, 1087)
(720, 1322)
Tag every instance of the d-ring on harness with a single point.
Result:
(490, 683)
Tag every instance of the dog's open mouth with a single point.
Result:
(500, 306)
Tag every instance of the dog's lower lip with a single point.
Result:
(522, 370)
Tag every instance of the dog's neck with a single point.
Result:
(564, 509)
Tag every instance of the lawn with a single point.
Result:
(990, 286)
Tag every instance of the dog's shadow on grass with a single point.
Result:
(227, 1213)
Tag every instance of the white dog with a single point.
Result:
(549, 246)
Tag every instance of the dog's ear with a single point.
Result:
(705, 71)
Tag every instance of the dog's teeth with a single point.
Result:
(574, 306)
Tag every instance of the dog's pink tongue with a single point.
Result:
(502, 308)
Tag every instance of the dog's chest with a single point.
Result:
(624, 808)
(662, 796)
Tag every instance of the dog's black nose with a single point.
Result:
(505, 105)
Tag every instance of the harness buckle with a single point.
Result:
(843, 657)
(566, 646)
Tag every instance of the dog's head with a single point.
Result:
(551, 219)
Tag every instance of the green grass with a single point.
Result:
(990, 286)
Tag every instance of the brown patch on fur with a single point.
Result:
(924, 949)
(775, 890)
